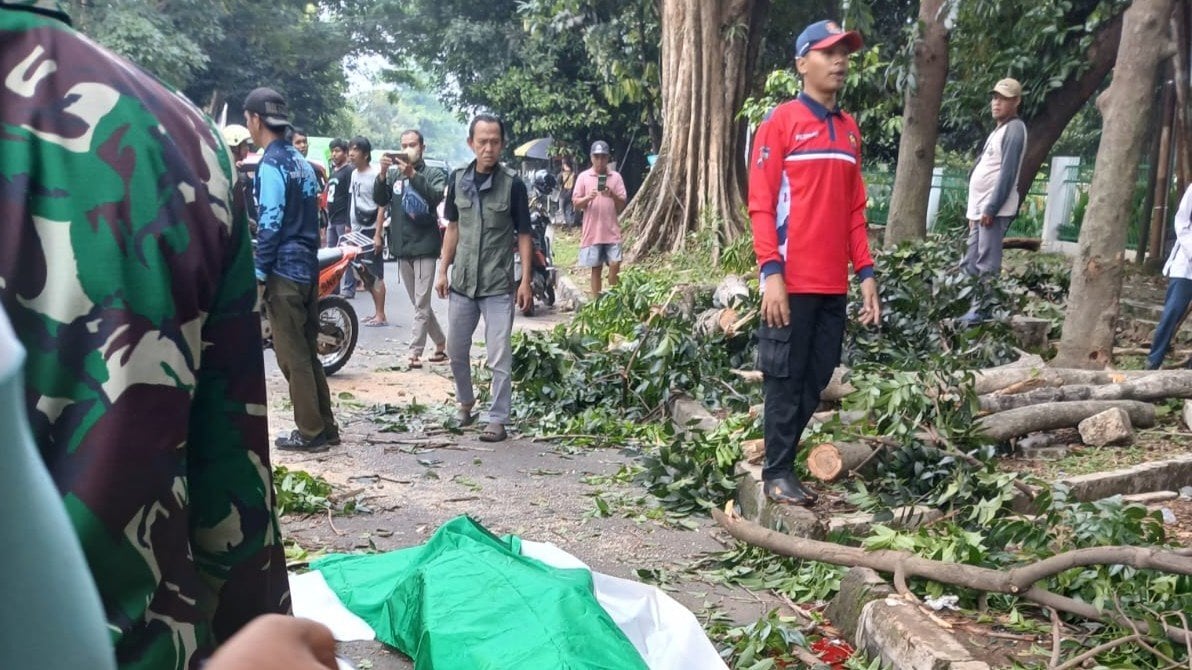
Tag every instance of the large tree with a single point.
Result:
(1089, 325)
(920, 124)
(709, 48)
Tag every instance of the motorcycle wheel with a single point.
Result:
(549, 295)
(338, 331)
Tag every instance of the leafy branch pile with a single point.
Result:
(299, 492)
(622, 358)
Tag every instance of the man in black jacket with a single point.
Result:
(339, 201)
(413, 190)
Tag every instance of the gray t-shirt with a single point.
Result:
(362, 199)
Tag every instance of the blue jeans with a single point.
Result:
(1179, 295)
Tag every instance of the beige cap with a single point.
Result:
(1009, 88)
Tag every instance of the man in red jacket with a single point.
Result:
(807, 206)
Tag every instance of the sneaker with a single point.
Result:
(332, 434)
(295, 442)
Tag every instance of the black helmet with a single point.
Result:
(544, 182)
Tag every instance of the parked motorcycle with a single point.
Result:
(339, 327)
(543, 276)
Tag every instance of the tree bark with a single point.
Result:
(1091, 317)
(997, 379)
(708, 50)
(832, 460)
(1023, 420)
(920, 126)
(1019, 581)
(1157, 386)
(1162, 182)
(1061, 104)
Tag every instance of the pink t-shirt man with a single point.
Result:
(600, 216)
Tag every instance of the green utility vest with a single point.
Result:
(484, 256)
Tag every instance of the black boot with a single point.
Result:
(789, 491)
(296, 442)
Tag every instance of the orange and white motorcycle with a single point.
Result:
(339, 327)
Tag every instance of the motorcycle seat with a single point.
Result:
(329, 256)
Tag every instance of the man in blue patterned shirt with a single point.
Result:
(287, 263)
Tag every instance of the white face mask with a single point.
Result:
(415, 153)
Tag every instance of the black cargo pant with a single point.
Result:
(294, 318)
(797, 362)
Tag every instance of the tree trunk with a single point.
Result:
(832, 460)
(1162, 185)
(708, 51)
(1157, 386)
(1097, 271)
(920, 127)
(1061, 104)
(1018, 422)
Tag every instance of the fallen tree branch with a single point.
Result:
(1097, 650)
(836, 390)
(1050, 416)
(1057, 639)
(904, 565)
(993, 379)
(1156, 386)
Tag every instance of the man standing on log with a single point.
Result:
(807, 207)
(993, 187)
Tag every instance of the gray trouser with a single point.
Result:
(463, 315)
(418, 274)
(984, 254)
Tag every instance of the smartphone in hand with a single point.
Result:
(602, 182)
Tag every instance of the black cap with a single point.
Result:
(599, 147)
(269, 104)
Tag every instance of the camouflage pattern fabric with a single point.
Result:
(129, 280)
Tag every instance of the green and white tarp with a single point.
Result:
(468, 600)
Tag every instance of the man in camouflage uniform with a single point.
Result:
(129, 281)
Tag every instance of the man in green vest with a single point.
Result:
(488, 213)
(413, 190)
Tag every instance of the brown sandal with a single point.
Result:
(494, 432)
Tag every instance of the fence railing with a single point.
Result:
(1053, 209)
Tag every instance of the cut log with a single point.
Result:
(832, 460)
(836, 390)
(731, 292)
(754, 451)
(1028, 243)
(1050, 416)
(1030, 332)
(716, 321)
(1145, 351)
(1154, 386)
(993, 379)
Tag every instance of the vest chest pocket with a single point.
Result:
(774, 350)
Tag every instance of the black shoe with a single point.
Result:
(295, 442)
(789, 491)
(332, 435)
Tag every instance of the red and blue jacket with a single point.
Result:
(807, 198)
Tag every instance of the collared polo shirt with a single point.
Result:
(807, 198)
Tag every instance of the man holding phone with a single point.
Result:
(600, 194)
(412, 190)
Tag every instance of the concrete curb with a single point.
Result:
(897, 632)
(1170, 474)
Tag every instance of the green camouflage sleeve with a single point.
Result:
(128, 279)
